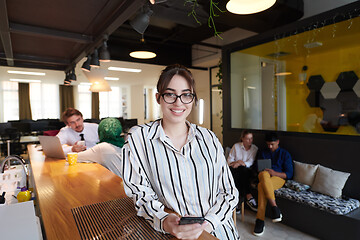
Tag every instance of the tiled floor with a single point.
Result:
(272, 231)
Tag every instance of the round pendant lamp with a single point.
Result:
(143, 52)
(248, 6)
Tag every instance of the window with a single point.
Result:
(44, 105)
(10, 100)
(111, 103)
(84, 101)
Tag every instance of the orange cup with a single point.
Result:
(72, 158)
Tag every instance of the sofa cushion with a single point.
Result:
(296, 186)
(330, 182)
(304, 173)
(337, 206)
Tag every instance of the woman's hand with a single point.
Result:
(237, 164)
(189, 231)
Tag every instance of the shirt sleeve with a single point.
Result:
(288, 165)
(90, 155)
(227, 196)
(251, 157)
(63, 140)
(138, 185)
(232, 155)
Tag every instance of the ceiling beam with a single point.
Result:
(37, 59)
(47, 32)
(5, 34)
(179, 16)
(120, 15)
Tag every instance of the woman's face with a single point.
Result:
(247, 140)
(176, 112)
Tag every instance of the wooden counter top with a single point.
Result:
(60, 187)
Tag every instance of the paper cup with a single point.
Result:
(72, 158)
(81, 143)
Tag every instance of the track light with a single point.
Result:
(95, 59)
(142, 20)
(67, 80)
(86, 65)
(72, 76)
(104, 53)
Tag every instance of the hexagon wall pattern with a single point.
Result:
(339, 101)
(346, 80)
(315, 82)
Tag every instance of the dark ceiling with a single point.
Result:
(49, 34)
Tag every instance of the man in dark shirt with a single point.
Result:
(272, 179)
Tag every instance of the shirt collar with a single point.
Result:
(157, 131)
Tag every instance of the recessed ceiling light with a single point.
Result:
(24, 80)
(111, 78)
(27, 73)
(124, 69)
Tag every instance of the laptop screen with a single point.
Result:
(263, 164)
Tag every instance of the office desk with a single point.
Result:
(29, 139)
(60, 187)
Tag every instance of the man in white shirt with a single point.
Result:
(77, 136)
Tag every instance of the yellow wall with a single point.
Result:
(329, 65)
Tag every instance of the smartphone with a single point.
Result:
(191, 220)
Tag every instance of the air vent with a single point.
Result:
(278, 54)
(313, 44)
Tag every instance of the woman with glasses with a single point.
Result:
(172, 163)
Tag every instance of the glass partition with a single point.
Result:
(303, 82)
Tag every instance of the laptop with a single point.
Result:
(263, 163)
(51, 146)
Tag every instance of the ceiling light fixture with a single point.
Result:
(121, 69)
(142, 19)
(143, 53)
(24, 80)
(111, 78)
(248, 6)
(27, 73)
(67, 80)
(283, 73)
(100, 86)
(104, 52)
(94, 62)
(86, 65)
(313, 44)
(157, 1)
(72, 76)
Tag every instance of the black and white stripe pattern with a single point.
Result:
(194, 181)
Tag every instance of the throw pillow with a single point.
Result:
(296, 186)
(304, 173)
(329, 182)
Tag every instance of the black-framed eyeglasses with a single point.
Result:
(185, 98)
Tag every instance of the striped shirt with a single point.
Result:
(194, 181)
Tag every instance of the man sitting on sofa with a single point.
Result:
(272, 179)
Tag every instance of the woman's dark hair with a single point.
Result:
(169, 72)
(271, 137)
(244, 133)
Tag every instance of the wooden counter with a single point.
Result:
(60, 187)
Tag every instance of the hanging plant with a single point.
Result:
(212, 14)
(219, 76)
